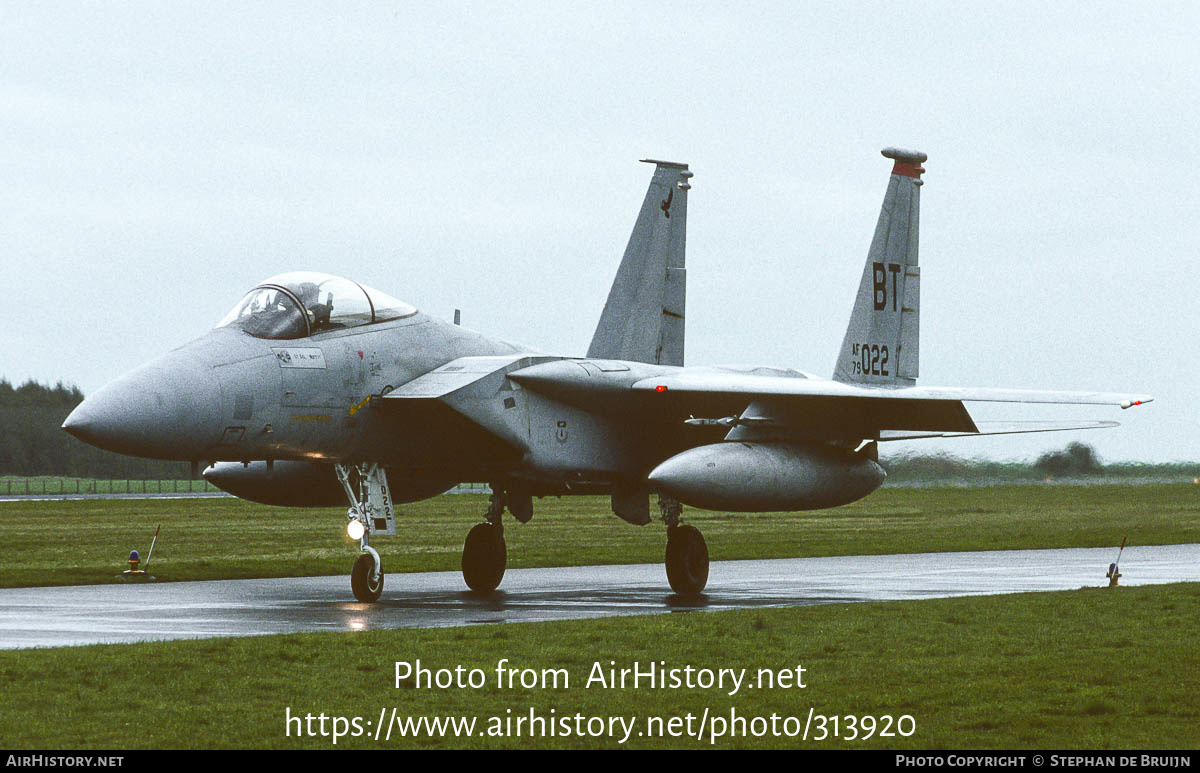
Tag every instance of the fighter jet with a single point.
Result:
(316, 391)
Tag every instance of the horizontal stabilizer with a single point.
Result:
(1002, 428)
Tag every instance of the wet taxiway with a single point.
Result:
(51, 617)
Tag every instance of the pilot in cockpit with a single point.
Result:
(318, 313)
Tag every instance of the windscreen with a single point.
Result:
(267, 312)
(303, 303)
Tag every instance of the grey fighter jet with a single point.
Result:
(316, 391)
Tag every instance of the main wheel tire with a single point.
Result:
(484, 558)
(360, 580)
(687, 560)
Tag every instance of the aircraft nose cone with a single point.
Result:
(166, 409)
(81, 421)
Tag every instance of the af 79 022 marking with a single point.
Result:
(872, 359)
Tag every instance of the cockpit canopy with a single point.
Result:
(304, 303)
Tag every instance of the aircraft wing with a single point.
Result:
(800, 388)
(1000, 428)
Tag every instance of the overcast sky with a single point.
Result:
(159, 159)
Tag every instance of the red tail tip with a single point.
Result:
(908, 162)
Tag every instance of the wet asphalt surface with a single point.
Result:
(52, 617)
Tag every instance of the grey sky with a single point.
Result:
(158, 159)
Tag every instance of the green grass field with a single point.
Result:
(1086, 669)
(77, 542)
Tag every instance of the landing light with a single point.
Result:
(355, 529)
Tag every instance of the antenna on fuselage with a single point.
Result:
(458, 316)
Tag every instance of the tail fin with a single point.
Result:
(643, 318)
(881, 343)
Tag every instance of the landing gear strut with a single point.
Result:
(687, 553)
(370, 511)
(485, 554)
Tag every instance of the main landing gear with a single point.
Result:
(485, 554)
(687, 553)
(370, 511)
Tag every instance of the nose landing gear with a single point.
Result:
(687, 552)
(370, 511)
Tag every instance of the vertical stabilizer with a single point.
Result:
(882, 340)
(643, 318)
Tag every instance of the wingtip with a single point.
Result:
(1136, 401)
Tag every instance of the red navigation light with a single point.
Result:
(660, 388)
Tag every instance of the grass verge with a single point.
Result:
(87, 541)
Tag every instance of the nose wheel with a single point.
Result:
(366, 580)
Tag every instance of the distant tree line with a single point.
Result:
(1077, 460)
(32, 441)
